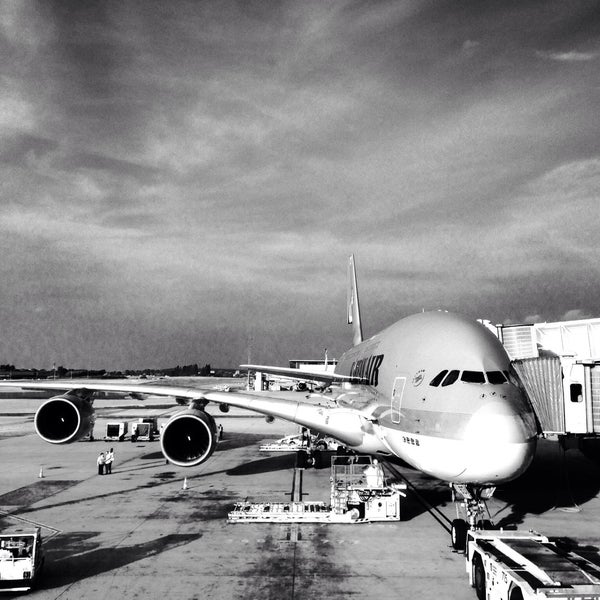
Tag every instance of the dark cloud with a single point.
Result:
(18, 148)
(114, 166)
(177, 177)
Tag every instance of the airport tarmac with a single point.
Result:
(138, 534)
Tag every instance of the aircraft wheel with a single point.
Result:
(317, 459)
(459, 534)
(302, 459)
(516, 594)
(479, 577)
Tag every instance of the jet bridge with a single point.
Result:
(565, 393)
(559, 366)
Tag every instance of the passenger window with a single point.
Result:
(473, 377)
(496, 377)
(576, 392)
(450, 378)
(438, 378)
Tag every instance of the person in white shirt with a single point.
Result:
(108, 461)
(101, 462)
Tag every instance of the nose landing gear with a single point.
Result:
(472, 499)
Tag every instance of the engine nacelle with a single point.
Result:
(64, 419)
(189, 438)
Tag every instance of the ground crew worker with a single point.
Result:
(5, 553)
(220, 430)
(101, 462)
(108, 461)
(373, 474)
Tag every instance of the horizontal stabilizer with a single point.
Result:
(301, 375)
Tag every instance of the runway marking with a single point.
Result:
(294, 534)
(297, 478)
(32, 523)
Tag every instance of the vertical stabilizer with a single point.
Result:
(353, 307)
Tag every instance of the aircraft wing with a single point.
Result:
(344, 418)
(302, 374)
(67, 385)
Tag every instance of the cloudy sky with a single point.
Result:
(183, 181)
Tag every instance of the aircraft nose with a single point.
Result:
(501, 437)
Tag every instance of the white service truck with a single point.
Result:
(524, 565)
(116, 431)
(145, 429)
(21, 559)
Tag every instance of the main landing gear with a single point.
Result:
(472, 499)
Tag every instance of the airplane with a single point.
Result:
(435, 389)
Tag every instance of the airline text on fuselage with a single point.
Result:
(367, 369)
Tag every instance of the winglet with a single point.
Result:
(353, 306)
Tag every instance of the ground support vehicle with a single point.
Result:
(281, 512)
(289, 443)
(21, 559)
(359, 494)
(304, 440)
(145, 429)
(358, 486)
(116, 431)
(308, 445)
(524, 565)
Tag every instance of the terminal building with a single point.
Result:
(318, 366)
(263, 381)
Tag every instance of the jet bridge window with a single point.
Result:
(473, 377)
(576, 390)
(438, 378)
(496, 377)
(450, 378)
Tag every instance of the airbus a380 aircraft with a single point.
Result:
(433, 389)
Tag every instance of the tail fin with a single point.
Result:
(352, 303)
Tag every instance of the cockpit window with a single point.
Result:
(496, 377)
(438, 378)
(472, 377)
(450, 378)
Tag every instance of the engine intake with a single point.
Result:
(64, 419)
(189, 438)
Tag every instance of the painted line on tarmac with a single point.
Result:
(32, 523)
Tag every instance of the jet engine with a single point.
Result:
(64, 419)
(189, 438)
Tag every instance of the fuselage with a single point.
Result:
(446, 402)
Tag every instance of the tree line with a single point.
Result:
(8, 371)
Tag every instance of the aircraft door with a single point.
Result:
(397, 393)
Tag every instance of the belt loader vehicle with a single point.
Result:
(21, 559)
(359, 494)
(521, 565)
